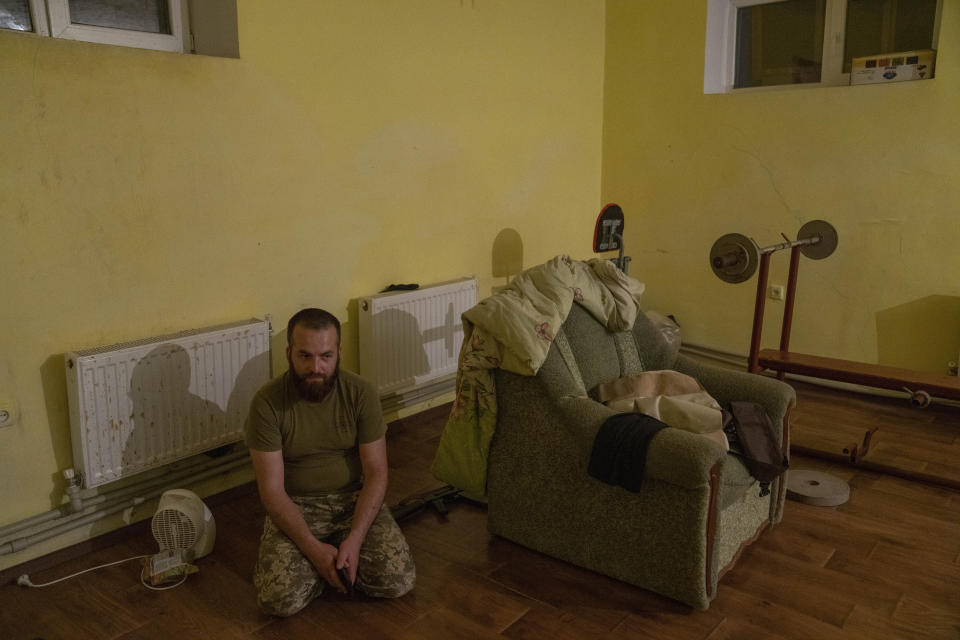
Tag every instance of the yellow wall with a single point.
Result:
(355, 144)
(880, 163)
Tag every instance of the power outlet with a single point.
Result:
(777, 291)
(9, 412)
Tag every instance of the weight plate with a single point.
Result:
(734, 258)
(828, 239)
(816, 488)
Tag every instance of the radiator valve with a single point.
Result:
(73, 489)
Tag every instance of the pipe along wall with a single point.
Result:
(83, 510)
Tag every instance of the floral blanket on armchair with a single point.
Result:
(514, 330)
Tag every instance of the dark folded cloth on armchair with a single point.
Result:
(620, 449)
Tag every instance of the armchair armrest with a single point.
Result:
(726, 385)
(674, 455)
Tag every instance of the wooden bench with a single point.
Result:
(870, 375)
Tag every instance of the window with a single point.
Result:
(762, 43)
(147, 24)
(793, 56)
(877, 26)
(207, 27)
(15, 14)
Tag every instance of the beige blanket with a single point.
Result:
(513, 330)
(671, 397)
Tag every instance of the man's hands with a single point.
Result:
(349, 555)
(328, 560)
(325, 558)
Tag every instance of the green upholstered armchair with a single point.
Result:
(698, 506)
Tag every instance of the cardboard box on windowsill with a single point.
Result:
(893, 67)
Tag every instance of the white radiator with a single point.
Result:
(410, 339)
(140, 405)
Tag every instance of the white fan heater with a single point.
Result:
(184, 523)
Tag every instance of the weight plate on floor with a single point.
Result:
(816, 488)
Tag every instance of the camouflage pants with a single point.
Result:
(285, 579)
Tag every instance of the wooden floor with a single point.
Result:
(884, 565)
(907, 441)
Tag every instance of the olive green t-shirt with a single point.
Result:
(319, 440)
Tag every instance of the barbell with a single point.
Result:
(734, 257)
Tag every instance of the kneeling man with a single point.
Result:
(317, 440)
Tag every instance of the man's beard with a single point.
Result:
(311, 388)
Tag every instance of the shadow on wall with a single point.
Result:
(167, 421)
(278, 347)
(507, 256)
(166, 415)
(155, 414)
(167, 405)
(399, 355)
(349, 336)
(54, 381)
(923, 335)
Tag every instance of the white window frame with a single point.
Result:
(721, 45)
(52, 18)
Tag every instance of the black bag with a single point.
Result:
(752, 438)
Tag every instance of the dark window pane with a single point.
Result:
(152, 16)
(15, 14)
(887, 26)
(779, 43)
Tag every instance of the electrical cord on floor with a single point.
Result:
(24, 580)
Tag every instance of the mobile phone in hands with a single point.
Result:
(344, 575)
